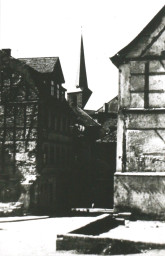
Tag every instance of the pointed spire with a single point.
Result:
(81, 81)
(81, 95)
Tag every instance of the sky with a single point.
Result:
(47, 28)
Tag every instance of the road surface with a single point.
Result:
(38, 237)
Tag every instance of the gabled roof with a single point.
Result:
(41, 65)
(7, 61)
(83, 117)
(144, 40)
(45, 65)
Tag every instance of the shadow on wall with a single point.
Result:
(10, 188)
(92, 185)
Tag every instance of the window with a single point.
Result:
(147, 84)
(45, 154)
(62, 95)
(66, 124)
(67, 154)
(52, 154)
(55, 123)
(49, 119)
(63, 156)
(58, 91)
(62, 121)
(58, 123)
(52, 90)
(55, 91)
(52, 121)
(57, 154)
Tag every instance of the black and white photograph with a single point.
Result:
(82, 127)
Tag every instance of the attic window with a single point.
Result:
(58, 91)
(52, 90)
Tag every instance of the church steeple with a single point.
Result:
(81, 81)
(82, 93)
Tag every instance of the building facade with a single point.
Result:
(106, 151)
(36, 147)
(140, 173)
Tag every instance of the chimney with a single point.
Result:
(72, 99)
(105, 108)
(7, 51)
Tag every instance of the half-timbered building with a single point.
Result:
(35, 141)
(140, 174)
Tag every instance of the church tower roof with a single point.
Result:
(80, 96)
(81, 80)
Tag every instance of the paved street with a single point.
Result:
(37, 237)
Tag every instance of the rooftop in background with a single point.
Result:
(109, 107)
(90, 112)
(42, 65)
(111, 137)
(84, 118)
(112, 106)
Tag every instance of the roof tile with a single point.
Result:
(42, 65)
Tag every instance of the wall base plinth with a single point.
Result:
(143, 194)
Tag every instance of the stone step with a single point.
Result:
(124, 215)
(92, 210)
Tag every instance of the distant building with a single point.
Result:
(105, 152)
(35, 141)
(107, 117)
(140, 174)
(95, 146)
(86, 131)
